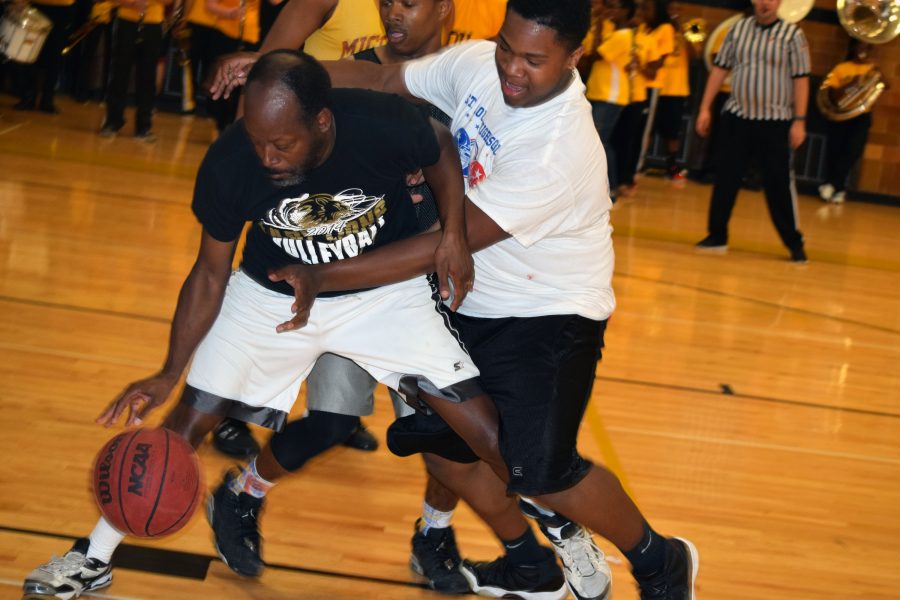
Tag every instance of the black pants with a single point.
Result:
(845, 145)
(627, 138)
(49, 61)
(207, 45)
(767, 141)
(140, 49)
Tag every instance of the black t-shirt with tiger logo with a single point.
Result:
(356, 201)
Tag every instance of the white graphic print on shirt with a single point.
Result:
(320, 228)
(476, 143)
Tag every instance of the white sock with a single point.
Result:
(250, 482)
(432, 517)
(104, 540)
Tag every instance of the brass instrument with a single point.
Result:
(872, 21)
(854, 100)
(181, 37)
(694, 32)
(78, 36)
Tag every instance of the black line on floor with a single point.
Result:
(85, 309)
(97, 192)
(735, 395)
(766, 303)
(190, 565)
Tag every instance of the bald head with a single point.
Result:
(289, 80)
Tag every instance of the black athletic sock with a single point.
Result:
(649, 556)
(524, 549)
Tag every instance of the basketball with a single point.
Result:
(147, 482)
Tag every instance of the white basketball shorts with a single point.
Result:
(397, 333)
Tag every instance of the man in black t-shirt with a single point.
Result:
(321, 175)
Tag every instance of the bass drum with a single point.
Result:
(23, 33)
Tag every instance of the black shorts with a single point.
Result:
(669, 111)
(540, 372)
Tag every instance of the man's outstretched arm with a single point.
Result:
(395, 262)
(231, 73)
(198, 306)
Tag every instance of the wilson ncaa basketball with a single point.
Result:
(147, 482)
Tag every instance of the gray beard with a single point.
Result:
(295, 179)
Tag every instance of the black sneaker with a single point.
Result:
(798, 256)
(362, 439)
(676, 580)
(436, 558)
(233, 518)
(586, 571)
(69, 576)
(233, 437)
(502, 579)
(712, 244)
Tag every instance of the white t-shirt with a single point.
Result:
(540, 174)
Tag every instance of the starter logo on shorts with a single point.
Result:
(321, 214)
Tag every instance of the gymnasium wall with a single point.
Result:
(879, 171)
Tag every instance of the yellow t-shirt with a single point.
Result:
(673, 75)
(152, 16)
(843, 73)
(198, 14)
(102, 11)
(355, 25)
(664, 36)
(608, 81)
(232, 27)
(476, 20)
(643, 49)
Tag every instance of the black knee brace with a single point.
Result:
(310, 436)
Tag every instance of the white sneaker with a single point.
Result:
(69, 576)
(838, 197)
(587, 573)
(826, 191)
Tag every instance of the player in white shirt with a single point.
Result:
(537, 212)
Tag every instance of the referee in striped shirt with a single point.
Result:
(765, 117)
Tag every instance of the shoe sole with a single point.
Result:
(495, 592)
(711, 249)
(604, 595)
(694, 557)
(35, 594)
(210, 513)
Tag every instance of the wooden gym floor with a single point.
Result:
(747, 403)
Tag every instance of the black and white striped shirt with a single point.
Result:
(764, 60)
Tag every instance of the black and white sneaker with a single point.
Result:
(502, 579)
(233, 518)
(587, 573)
(69, 576)
(436, 558)
(677, 580)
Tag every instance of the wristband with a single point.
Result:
(800, 118)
